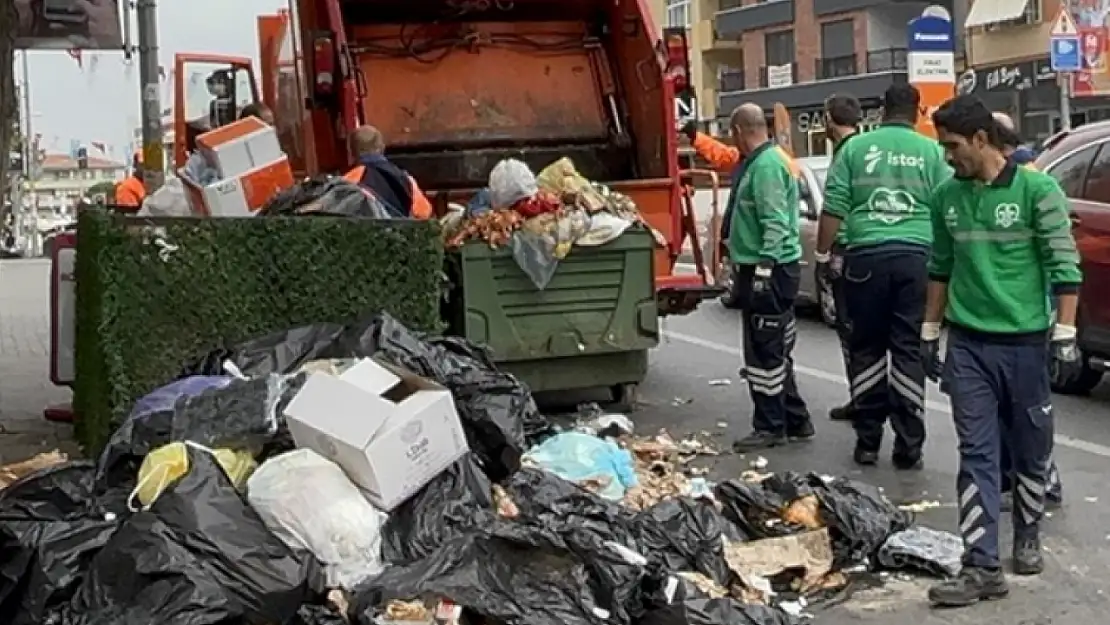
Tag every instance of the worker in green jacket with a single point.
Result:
(1002, 245)
(765, 246)
(878, 191)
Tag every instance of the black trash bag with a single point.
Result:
(497, 411)
(590, 527)
(685, 534)
(327, 195)
(860, 519)
(244, 414)
(199, 556)
(51, 526)
(717, 612)
(756, 507)
(278, 352)
(309, 614)
(455, 502)
(511, 573)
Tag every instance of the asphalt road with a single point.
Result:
(704, 346)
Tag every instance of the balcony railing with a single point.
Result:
(731, 81)
(763, 77)
(890, 59)
(730, 4)
(837, 67)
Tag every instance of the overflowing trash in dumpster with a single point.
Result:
(369, 474)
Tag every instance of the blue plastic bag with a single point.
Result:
(577, 457)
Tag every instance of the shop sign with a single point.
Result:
(1012, 77)
(814, 121)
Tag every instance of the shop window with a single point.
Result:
(1098, 180)
(1071, 172)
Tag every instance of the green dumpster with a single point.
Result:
(590, 328)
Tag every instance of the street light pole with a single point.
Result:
(154, 162)
(1065, 80)
(30, 156)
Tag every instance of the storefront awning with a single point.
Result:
(986, 12)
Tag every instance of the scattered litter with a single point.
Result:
(11, 473)
(759, 463)
(1090, 499)
(805, 559)
(598, 465)
(720, 382)
(924, 550)
(722, 424)
(920, 506)
(681, 401)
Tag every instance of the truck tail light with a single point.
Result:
(324, 64)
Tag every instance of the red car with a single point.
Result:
(1080, 160)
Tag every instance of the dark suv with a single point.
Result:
(1080, 160)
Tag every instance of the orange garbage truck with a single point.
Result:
(455, 86)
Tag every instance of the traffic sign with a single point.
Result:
(1064, 26)
(1064, 54)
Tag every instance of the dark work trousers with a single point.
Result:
(884, 290)
(1055, 489)
(842, 323)
(994, 387)
(769, 332)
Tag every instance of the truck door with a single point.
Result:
(210, 91)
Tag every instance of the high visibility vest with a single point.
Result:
(421, 207)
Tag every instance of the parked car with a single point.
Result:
(1080, 160)
(813, 290)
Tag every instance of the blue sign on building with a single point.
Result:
(1064, 54)
(931, 33)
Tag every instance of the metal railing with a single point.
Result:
(890, 59)
(837, 67)
(730, 4)
(731, 81)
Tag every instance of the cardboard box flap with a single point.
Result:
(371, 377)
(340, 409)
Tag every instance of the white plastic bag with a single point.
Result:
(509, 182)
(309, 503)
(168, 201)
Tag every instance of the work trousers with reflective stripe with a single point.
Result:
(769, 332)
(994, 387)
(884, 293)
(842, 323)
(1055, 487)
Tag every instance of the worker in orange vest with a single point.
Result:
(130, 192)
(390, 184)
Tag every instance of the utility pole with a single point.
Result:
(30, 157)
(1065, 81)
(154, 160)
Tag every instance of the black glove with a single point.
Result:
(930, 350)
(1067, 366)
(690, 129)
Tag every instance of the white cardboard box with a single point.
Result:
(390, 430)
(237, 149)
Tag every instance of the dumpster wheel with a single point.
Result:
(625, 396)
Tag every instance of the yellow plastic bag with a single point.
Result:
(169, 463)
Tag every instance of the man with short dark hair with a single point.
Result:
(1002, 245)
(843, 114)
(879, 190)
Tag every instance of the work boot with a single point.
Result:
(865, 457)
(803, 432)
(841, 413)
(759, 440)
(974, 584)
(1028, 559)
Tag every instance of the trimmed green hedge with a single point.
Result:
(153, 294)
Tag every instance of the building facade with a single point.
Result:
(1008, 64)
(62, 182)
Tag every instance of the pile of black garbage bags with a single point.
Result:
(72, 551)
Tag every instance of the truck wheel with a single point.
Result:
(727, 279)
(1084, 384)
(624, 397)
